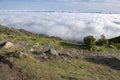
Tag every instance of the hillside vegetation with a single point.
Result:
(28, 56)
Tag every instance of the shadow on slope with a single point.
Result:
(113, 63)
(5, 60)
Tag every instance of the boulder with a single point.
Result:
(51, 52)
(7, 45)
(54, 52)
(45, 48)
(35, 45)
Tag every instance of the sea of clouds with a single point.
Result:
(68, 26)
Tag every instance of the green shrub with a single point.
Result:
(102, 41)
(89, 42)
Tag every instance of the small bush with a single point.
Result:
(102, 41)
(89, 42)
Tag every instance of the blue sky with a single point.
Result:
(62, 5)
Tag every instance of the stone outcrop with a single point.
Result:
(48, 50)
(7, 45)
(35, 45)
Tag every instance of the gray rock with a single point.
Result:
(54, 52)
(20, 54)
(7, 45)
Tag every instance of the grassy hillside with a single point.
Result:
(12, 31)
(39, 57)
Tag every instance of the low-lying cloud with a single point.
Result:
(69, 26)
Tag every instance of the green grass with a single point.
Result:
(41, 40)
(73, 69)
(70, 45)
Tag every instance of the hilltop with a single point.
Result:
(28, 56)
(115, 40)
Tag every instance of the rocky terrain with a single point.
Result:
(28, 56)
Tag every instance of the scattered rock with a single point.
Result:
(45, 57)
(20, 54)
(32, 50)
(7, 45)
(51, 52)
(54, 52)
(35, 45)
(46, 48)
(45, 53)
(5, 60)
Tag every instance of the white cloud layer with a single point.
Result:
(70, 26)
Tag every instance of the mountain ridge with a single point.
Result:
(115, 40)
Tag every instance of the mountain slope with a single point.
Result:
(39, 57)
(17, 32)
(115, 40)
